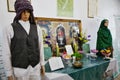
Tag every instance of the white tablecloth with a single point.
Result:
(57, 76)
(113, 65)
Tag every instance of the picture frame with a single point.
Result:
(92, 8)
(50, 27)
(10, 5)
(65, 8)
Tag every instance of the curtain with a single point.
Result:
(2, 71)
(116, 41)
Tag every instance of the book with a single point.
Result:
(55, 63)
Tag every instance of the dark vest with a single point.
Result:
(24, 47)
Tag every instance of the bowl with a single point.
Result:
(66, 56)
(77, 64)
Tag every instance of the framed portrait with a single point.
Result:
(92, 8)
(59, 31)
(10, 5)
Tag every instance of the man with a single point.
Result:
(23, 45)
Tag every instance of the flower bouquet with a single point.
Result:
(106, 52)
(47, 40)
(82, 39)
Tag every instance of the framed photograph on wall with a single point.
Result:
(10, 5)
(92, 8)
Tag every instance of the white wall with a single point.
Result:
(5, 16)
(46, 8)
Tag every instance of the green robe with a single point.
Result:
(104, 37)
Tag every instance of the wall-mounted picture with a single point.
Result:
(60, 31)
(10, 5)
(65, 8)
(92, 8)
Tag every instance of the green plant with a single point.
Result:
(77, 55)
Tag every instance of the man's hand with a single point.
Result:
(42, 70)
(10, 78)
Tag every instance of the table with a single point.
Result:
(91, 70)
